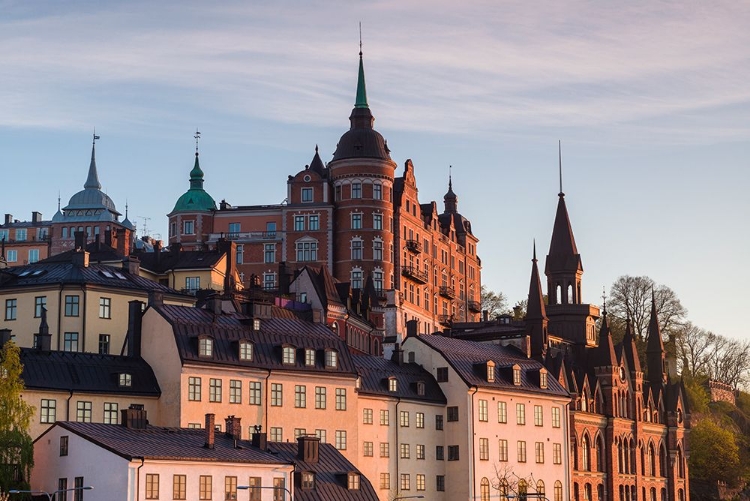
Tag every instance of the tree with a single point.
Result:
(702, 353)
(714, 453)
(495, 303)
(16, 447)
(630, 297)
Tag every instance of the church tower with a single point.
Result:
(536, 314)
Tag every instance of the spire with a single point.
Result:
(535, 308)
(92, 181)
(605, 353)
(655, 344)
(317, 164)
(450, 198)
(630, 349)
(361, 100)
(559, 159)
(563, 252)
(196, 175)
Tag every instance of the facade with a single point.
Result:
(358, 218)
(24, 242)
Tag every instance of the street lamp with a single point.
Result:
(274, 487)
(50, 494)
(409, 497)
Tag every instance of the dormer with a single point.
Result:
(246, 350)
(288, 354)
(205, 346)
(490, 371)
(306, 480)
(420, 388)
(392, 384)
(543, 378)
(353, 481)
(516, 375)
(309, 357)
(331, 358)
(125, 380)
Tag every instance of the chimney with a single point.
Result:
(233, 427)
(155, 298)
(229, 248)
(210, 431)
(36, 217)
(175, 248)
(43, 339)
(80, 240)
(8, 218)
(398, 355)
(284, 278)
(157, 252)
(411, 328)
(135, 322)
(5, 336)
(134, 417)
(485, 315)
(132, 265)
(259, 439)
(214, 304)
(307, 448)
(123, 236)
(81, 258)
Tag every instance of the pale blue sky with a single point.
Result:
(650, 99)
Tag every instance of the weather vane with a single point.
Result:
(197, 136)
(95, 136)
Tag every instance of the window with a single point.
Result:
(313, 222)
(452, 414)
(307, 195)
(33, 255)
(192, 284)
(502, 412)
(104, 344)
(384, 417)
(392, 384)
(557, 453)
(235, 391)
(179, 487)
(377, 191)
(405, 451)
(340, 440)
(385, 480)
(353, 481)
(71, 306)
(542, 379)
(279, 490)
(299, 223)
(356, 190)
(276, 434)
(377, 222)
(111, 413)
(11, 256)
(420, 482)
(332, 359)
(340, 399)
(520, 414)
(404, 419)
(230, 488)
(300, 396)
(502, 450)
(277, 395)
(255, 486)
(453, 453)
(439, 422)
(62, 487)
(307, 251)
(309, 357)
(234, 230)
(188, 228)
(440, 483)
(321, 434)
(484, 449)
(558, 491)
(521, 451)
(254, 398)
(299, 432)
(205, 347)
(194, 389)
(205, 488)
(405, 482)
(269, 253)
(21, 234)
(356, 278)
(269, 281)
(70, 341)
(270, 229)
(320, 397)
(48, 412)
(539, 452)
(356, 249)
(64, 445)
(11, 309)
(420, 419)
(484, 489)
(555, 417)
(152, 486)
(538, 416)
(307, 482)
(483, 411)
(83, 411)
(420, 451)
(516, 376)
(385, 449)
(214, 390)
(240, 254)
(366, 416)
(367, 449)
(439, 452)
(442, 374)
(40, 303)
(78, 493)
(105, 307)
(246, 350)
(287, 355)
(377, 255)
(126, 379)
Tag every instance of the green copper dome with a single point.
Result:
(195, 199)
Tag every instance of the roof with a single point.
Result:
(160, 262)
(96, 203)
(86, 372)
(330, 482)
(228, 329)
(464, 356)
(376, 372)
(196, 198)
(99, 252)
(563, 252)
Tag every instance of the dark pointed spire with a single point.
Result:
(535, 308)
(563, 252)
(655, 344)
(605, 352)
(317, 164)
(92, 181)
(450, 199)
(559, 160)
(361, 99)
(629, 347)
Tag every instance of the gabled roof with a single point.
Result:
(376, 371)
(464, 356)
(86, 373)
(228, 329)
(99, 252)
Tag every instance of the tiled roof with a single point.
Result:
(169, 443)
(466, 356)
(229, 328)
(376, 372)
(182, 260)
(86, 372)
(330, 471)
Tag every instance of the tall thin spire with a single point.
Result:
(196, 175)
(92, 181)
(361, 100)
(559, 159)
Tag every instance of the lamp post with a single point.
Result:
(246, 487)
(409, 497)
(50, 494)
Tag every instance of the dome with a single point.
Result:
(91, 199)
(196, 198)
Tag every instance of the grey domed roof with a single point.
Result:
(92, 198)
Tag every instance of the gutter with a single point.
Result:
(472, 472)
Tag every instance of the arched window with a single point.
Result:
(585, 461)
(570, 294)
(651, 460)
(523, 489)
(587, 492)
(662, 460)
(540, 488)
(680, 464)
(503, 490)
(484, 489)
(558, 491)
(599, 454)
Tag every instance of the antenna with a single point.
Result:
(604, 300)
(145, 224)
(559, 158)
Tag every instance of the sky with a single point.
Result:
(650, 100)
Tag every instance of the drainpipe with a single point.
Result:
(82, 346)
(472, 472)
(566, 435)
(67, 408)
(268, 396)
(59, 314)
(138, 479)
(397, 419)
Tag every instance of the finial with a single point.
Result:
(95, 137)
(58, 200)
(604, 300)
(126, 208)
(316, 148)
(534, 259)
(197, 136)
(360, 39)
(450, 178)
(559, 158)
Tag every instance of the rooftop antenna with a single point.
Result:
(58, 200)
(559, 158)
(197, 136)
(145, 224)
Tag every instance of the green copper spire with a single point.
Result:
(361, 101)
(196, 175)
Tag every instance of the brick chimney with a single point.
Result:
(8, 218)
(398, 355)
(132, 265)
(134, 417)
(259, 439)
(210, 431)
(411, 328)
(36, 217)
(81, 258)
(307, 448)
(80, 240)
(135, 322)
(233, 427)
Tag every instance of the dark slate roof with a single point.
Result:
(45, 273)
(563, 252)
(376, 371)
(99, 252)
(168, 443)
(465, 356)
(330, 471)
(182, 260)
(86, 372)
(228, 328)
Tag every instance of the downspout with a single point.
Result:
(397, 419)
(472, 473)
(67, 409)
(138, 479)
(82, 347)
(268, 396)
(566, 435)
(59, 314)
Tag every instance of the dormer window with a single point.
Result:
(246, 351)
(287, 355)
(517, 375)
(392, 384)
(307, 482)
(309, 357)
(490, 371)
(420, 388)
(353, 481)
(205, 347)
(126, 379)
(332, 359)
(256, 324)
(543, 378)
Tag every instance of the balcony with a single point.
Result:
(247, 236)
(448, 292)
(445, 320)
(413, 246)
(413, 273)
(475, 306)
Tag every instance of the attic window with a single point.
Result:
(392, 384)
(490, 371)
(24, 273)
(332, 359)
(107, 274)
(420, 388)
(517, 375)
(309, 357)
(126, 379)
(307, 482)
(38, 272)
(353, 481)
(119, 275)
(543, 378)
(246, 350)
(205, 347)
(256, 324)
(287, 355)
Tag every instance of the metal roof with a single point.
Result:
(377, 371)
